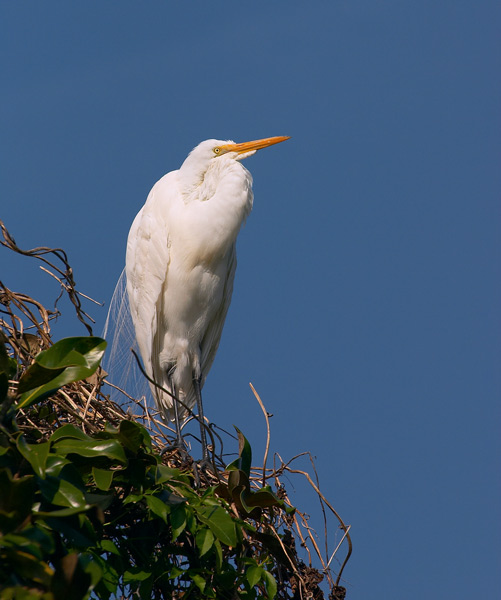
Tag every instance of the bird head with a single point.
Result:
(245, 149)
(209, 150)
(208, 154)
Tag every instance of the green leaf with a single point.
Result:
(133, 435)
(132, 498)
(244, 460)
(146, 588)
(178, 520)
(101, 501)
(16, 499)
(103, 478)
(176, 572)
(220, 523)
(77, 530)
(28, 567)
(109, 546)
(237, 481)
(62, 493)
(4, 387)
(91, 567)
(192, 524)
(32, 539)
(4, 359)
(55, 464)
(274, 547)
(157, 507)
(170, 498)
(254, 574)
(219, 554)
(21, 544)
(68, 431)
(199, 581)
(35, 454)
(204, 540)
(8, 365)
(60, 512)
(111, 577)
(270, 583)
(263, 498)
(68, 360)
(135, 574)
(91, 448)
(70, 580)
(164, 474)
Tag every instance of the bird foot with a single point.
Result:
(178, 446)
(204, 466)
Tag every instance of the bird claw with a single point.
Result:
(178, 445)
(204, 465)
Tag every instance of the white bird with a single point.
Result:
(180, 266)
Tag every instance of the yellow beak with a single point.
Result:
(254, 145)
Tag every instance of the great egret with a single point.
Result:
(180, 266)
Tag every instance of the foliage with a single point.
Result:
(89, 507)
(101, 513)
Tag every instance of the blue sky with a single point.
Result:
(366, 302)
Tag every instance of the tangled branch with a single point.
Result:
(26, 330)
(64, 274)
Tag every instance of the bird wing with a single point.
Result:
(147, 264)
(210, 341)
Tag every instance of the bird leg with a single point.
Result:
(203, 437)
(179, 443)
(179, 438)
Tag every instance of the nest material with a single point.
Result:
(26, 330)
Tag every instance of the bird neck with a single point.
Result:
(213, 212)
(226, 180)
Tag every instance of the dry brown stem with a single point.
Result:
(25, 330)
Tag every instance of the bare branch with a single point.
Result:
(267, 417)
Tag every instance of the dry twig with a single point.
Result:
(25, 330)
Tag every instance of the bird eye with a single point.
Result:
(217, 150)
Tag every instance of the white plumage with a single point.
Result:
(180, 265)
